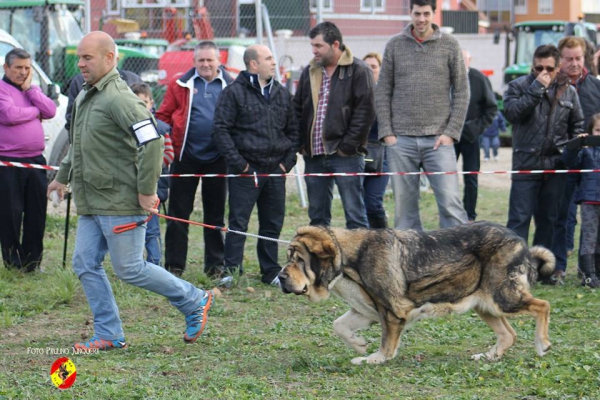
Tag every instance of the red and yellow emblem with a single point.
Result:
(63, 373)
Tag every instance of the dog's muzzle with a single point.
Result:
(283, 283)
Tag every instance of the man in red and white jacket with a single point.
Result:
(23, 200)
(189, 107)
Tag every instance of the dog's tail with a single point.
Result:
(543, 260)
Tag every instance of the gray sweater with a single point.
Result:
(423, 88)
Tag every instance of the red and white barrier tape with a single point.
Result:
(331, 174)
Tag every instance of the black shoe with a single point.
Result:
(177, 271)
(586, 264)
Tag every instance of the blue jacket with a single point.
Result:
(498, 125)
(589, 182)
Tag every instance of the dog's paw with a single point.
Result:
(375, 358)
(359, 344)
(542, 350)
(358, 360)
(490, 356)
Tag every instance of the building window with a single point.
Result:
(327, 5)
(113, 7)
(372, 5)
(545, 6)
(521, 7)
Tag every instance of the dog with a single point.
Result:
(397, 277)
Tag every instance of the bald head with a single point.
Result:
(259, 60)
(96, 53)
(467, 58)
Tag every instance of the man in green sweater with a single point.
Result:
(421, 99)
(113, 165)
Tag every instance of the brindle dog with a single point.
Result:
(396, 277)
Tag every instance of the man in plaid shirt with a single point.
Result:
(335, 108)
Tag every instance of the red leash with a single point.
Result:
(132, 225)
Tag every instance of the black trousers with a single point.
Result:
(471, 162)
(181, 204)
(269, 197)
(23, 213)
(539, 198)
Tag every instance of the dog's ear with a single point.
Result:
(318, 242)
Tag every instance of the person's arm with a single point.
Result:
(488, 106)
(292, 131)
(383, 94)
(45, 105)
(74, 89)
(363, 113)
(518, 103)
(169, 105)
(298, 107)
(459, 82)
(576, 123)
(224, 120)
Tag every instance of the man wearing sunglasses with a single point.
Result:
(545, 112)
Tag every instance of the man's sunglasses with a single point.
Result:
(540, 68)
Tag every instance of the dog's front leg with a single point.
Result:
(392, 328)
(347, 325)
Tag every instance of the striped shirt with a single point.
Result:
(317, 143)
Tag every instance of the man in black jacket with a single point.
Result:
(545, 112)
(572, 57)
(482, 111)
(256, 132)
(335, 109)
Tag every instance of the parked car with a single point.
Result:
(57, 137)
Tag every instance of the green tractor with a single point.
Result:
(51, 30)
(531, 34)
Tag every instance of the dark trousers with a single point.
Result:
(538, 198)
(269, 197)
(560, 244)
(23, 213)
(471, 162)
(181, 205)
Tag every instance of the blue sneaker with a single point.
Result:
(196, 321)
(94, 344)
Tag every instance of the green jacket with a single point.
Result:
(105, 166)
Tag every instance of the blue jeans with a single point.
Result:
(408, 155)
(490, 142)
(153, 241)
(320, 189)
(374, 187)
(94, 238)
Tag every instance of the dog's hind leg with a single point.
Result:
(392, 328)
(347, 325)
(505, 336)
(541, 310)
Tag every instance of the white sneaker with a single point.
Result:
(486, 159)
(275, 282)
(226, 281)
(495, 158)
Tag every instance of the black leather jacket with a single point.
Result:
(540, 129)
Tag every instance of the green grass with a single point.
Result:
(265, 345)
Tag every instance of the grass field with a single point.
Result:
(261, 344)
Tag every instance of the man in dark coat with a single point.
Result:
(545, 112)
(255, 131)
(481, 113)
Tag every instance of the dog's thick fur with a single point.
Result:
(397, 277)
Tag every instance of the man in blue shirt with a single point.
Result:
(189, 107)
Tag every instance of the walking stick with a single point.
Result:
(64, 260)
